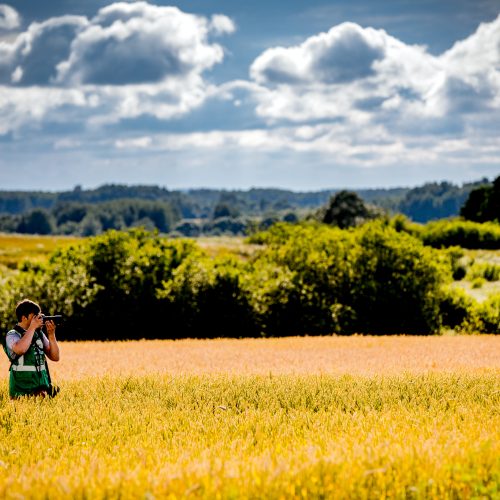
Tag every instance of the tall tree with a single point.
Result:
(345, 209)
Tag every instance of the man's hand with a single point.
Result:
(36, 322)
(51, 328)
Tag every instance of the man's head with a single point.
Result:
(25, 308)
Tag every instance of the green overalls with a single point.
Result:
(29, 372)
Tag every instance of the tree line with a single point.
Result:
(193, 212)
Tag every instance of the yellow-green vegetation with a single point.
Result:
(14, 249)
(217, 246)
(17, 248)
(220, 436)
(481, 273)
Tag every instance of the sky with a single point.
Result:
(301, 95)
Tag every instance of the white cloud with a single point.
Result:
(131, 59)
(21, 107)
(346, 53)
(363, 75)
(354, 96)
(32, 58)
(222, 25)
(136, 143)
(349, 72)
(9, 18)
(140, 43)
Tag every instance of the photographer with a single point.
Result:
(26, 346)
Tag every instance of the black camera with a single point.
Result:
(56, 319)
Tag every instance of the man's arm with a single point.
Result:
(22, 345)
(50, 345)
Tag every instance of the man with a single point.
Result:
(26, 346)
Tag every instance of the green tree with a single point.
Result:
(483, 203)
(345, 209)
(37, 221)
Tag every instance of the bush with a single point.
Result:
(300, 278)
(397, 282)
(458, 310)
(306, 279)
(477, 282)
(107, 286)
(369, 280)
(484, 271)
(489, 315)
(206, 299)
(466, 234)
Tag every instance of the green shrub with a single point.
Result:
(307, 278)
(106, 286)
(484, 270)
(466, 234)
(477, 282)
(489, 315)
(372, 279)
(206, 298)
(308, 268)
(396, 285)
(458, 310)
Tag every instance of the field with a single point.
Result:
(327, 417)
(15, 248)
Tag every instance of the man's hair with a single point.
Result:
(25, 307)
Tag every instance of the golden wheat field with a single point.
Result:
(327, 417)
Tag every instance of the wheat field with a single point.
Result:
(327, 417)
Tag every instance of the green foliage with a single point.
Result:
(434, 201)
(466, 234)
(306, 278)
(87, 219)
(37, 221)
(105, 287)
(397, 283)
(483, 203)
(489, 315)
(458, 267)
(308, 271)
(484, 270)
(371, 280)
(345, 209)
(206, 298)
(423, 203)
(458, 310)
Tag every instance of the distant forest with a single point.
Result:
(205, 211)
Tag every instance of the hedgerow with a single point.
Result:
(305, 279)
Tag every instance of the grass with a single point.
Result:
(15, 248)
(428, 436)
(261, 419)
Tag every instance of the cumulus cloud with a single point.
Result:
(9, 18)
(342, 73)
(344, 54)
(140, 43)
(364, 98)
(363, 75)
(355, 94)
(32, 58)
(129, 59)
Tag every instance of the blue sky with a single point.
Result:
(300, 95)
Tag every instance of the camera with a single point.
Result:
(56, 319)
